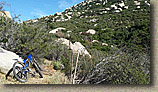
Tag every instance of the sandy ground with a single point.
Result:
(50, 76)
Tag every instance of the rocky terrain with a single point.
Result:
(91, 8)
(93, 42)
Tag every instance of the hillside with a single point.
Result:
(115, 34)
(111, 20)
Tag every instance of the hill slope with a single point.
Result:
(116, 22)
(119, 45)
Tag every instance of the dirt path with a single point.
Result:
(50, 76)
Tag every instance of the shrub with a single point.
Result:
(117, 68)
(57, 65)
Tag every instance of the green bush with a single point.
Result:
(117, 68)
(56, 65)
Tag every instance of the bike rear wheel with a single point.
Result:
(20, 73)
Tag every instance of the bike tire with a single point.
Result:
(37, 68)
(17, 76)
(37, 65)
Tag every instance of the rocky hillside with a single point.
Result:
(112, 38)
(115, 22)
(91, 8)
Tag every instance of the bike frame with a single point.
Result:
(28, 58)
(27, 65)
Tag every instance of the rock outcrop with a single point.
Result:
(76, 47)
(65, 41)
(56, 30)
(91, 31)
(7, 60)
(5, 14)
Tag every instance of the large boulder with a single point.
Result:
(7, 60)
(76, 47)
(79, 48)
(56, 30)
(65, 41)
(91, 31)
(5, 14)
(8, 14)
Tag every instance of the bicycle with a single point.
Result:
(21, 70)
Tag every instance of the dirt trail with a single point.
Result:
(50, 76)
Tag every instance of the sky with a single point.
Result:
(31, 9)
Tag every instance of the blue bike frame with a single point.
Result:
(27, 65)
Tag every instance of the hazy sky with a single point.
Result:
(30, 9)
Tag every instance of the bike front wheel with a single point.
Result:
(20, 73)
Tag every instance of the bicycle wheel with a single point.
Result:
(19, 72)
(37, 69)
(37, 65)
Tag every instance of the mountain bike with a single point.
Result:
(21, 70)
